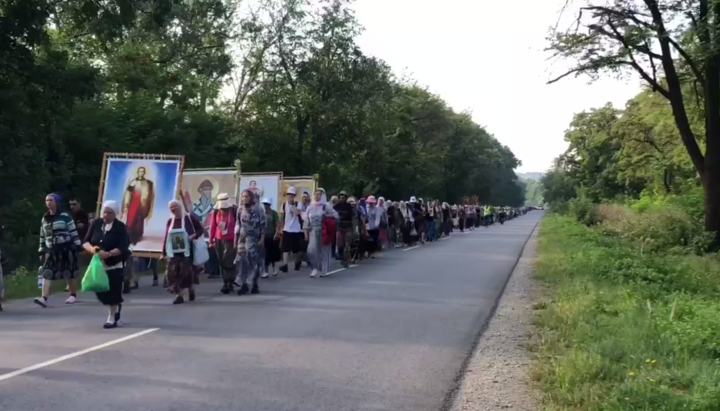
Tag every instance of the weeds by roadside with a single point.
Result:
(624, 329)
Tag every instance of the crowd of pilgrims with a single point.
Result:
(246, 242)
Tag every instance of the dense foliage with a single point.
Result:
(674, 46)
(282, 87)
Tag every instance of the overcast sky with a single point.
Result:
(487, 56)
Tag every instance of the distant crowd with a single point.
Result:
(242, 243)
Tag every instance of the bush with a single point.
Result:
(658, 227)
(625, 331)
(584, 210)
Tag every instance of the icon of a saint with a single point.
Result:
(137, 205)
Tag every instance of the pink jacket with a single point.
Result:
(215, 232)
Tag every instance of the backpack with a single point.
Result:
(329, 228)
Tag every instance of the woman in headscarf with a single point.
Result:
(447, 219)
(273, 230)
(222, 239)
(383, 237)
(375, 219)
(250, 243)
(407, 223)
(180, 232)
(59, 245)
(318, 225)
(108, 238)
(334, 250)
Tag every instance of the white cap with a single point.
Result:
(291, 190)
(266, 200)
(413, 199)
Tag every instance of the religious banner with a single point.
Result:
(200, 188)
(143, 185)
(303, 185)
(263, 185)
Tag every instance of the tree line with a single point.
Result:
(666, 140)
(279, 84)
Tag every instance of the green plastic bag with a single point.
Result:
(96, 279)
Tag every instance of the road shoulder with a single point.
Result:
(497, 376)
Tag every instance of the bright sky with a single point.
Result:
(487, 56)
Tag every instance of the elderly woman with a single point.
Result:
(108, 238)
(59, 244)
(222, 237)
(319, 243)
(249, 243)
(180, 232)
(376, 219)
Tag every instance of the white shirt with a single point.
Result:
(292, 220)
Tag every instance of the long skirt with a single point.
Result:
(180, 273)
(372, 244)
(113, 296)
(272, 250)
(249, 265)
(406, 230)
(318, 253)
(225, 253)
(61, 263)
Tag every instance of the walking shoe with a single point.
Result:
(255, 289)
(155, 283)
(225, 289)
(244, 289)
(178, 300)
(265, 275)
(298, 266)
(191, 295)
(71, 300)
(313, 273)
(284, 268)
(41, 302)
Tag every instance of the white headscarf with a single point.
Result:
(112, 205)
(179, 204)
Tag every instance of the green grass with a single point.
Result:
(23, 283)
(623, 330)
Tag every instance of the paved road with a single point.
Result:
(391, 334)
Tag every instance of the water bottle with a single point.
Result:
(40, 278)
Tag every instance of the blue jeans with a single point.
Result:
(431, 230)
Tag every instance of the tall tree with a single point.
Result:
(670, 44)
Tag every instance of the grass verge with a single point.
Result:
(622, 329)
(23, 283)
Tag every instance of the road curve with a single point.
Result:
(391, 334)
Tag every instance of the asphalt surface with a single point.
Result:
(390, 334)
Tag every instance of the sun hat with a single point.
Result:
(413, 199)
(266, 200)
(371, 200)
(223, 201)
(290, 190)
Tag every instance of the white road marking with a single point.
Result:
(341, 269)
(75, 354)
(411, 248)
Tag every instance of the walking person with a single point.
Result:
(59, 245)
(319, 230)
(375, 219)
(180, 232)
(346, 215)
(273, 231)
(292, 236)
(222, 239)
(108, 238)
(249, 242)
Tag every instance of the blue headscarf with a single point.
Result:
(57, 198)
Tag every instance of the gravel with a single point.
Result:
(498, 374)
